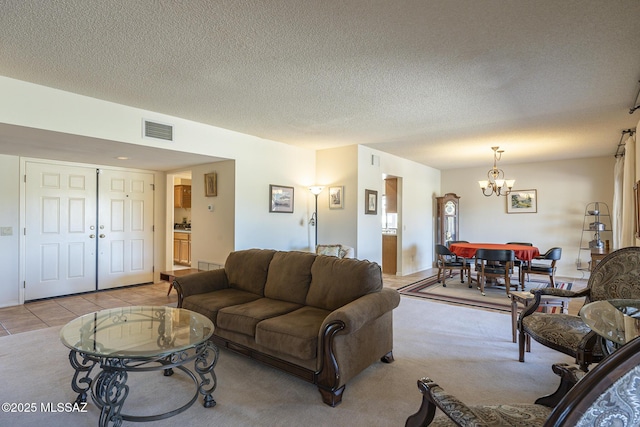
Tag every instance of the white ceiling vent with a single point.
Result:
(157, 130)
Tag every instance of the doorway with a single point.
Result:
(390, 220)
(181, 220)
(86, 229)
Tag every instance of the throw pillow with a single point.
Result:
(331, 250)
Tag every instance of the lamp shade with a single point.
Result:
(316, 189)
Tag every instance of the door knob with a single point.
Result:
(102, 236)
(92, 236)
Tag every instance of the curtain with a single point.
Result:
(628, 224)
(616, 210)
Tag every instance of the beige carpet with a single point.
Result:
(468, 351)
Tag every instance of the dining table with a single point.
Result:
(524, 253)
(468, 250)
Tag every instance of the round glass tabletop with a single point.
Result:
(617, 320)
(136, 332)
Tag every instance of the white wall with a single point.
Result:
(419, 185)
(357, 170)
(564, 188)
(9, 217)
(258, 163)
(213, 232)
(338, 167)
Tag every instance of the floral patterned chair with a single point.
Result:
(617, 276)
(608, 395)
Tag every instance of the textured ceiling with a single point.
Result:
(435, 81)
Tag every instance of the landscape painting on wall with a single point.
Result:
(522, 201)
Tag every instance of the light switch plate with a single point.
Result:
(6, 231)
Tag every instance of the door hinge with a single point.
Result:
(25, 231)
(153, 269)
(24, 285)
(153, 187)
(25, 178)
(153, 228)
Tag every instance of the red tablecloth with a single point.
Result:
(468, 250)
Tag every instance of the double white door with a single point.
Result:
(86, 229)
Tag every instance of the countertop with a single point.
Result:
(182, 231)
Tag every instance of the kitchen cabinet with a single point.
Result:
(391, 194)
(181, 196)
(389, 254)
(182, 248)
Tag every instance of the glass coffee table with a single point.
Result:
(617, 321)
(109, 344)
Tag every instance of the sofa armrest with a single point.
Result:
(357, 313)
(200, 283)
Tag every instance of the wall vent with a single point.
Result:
(157, 130)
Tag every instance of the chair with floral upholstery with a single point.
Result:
(607, 395)
(617, 276)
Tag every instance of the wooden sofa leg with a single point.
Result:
(388, 358)
(331, 397)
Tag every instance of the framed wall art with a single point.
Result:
(336, 197)
(280, 199)
(210, 184)
(370, 202)
(522, 201)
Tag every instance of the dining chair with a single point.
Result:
(517, 263)
(469, 260)
(545, 265)
(447, 260)
(494, 263)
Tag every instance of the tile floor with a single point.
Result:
(58, 311)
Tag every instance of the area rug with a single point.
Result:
(495, 297)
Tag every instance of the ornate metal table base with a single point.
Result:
(109, 390)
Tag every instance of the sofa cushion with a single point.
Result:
(294, 333)
(243, 318)
(210, 303)
(247, 269)
(338, 281)
(289, 276)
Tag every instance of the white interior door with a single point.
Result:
(60, 221)
(125, 228)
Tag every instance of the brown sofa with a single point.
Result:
(321, 318)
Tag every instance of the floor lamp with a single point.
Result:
(315, 190)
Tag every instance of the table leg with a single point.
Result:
(82, 366)
(204, 369)
(514, 318)
(110, 392)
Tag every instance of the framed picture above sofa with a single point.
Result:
(281, 199)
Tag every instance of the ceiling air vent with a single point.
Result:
(158, 131)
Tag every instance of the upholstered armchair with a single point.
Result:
(616, 277)
(607, 395)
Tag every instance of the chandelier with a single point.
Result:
(496, 184)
